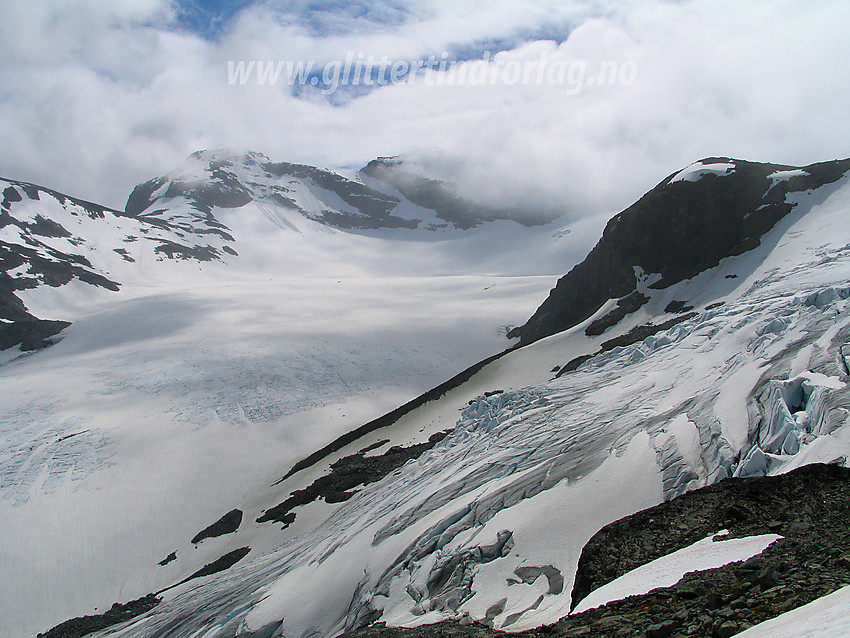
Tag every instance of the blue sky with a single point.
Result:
(208, 18)
(211, 18)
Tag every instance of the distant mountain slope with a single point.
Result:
(442, 197)
(711, 210)
(222, 179)
(217, 205)
(50, 240)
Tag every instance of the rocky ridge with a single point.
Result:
(716, 208)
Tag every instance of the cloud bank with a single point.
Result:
(96, 97)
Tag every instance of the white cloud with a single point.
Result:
(95, 97)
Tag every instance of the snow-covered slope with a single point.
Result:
(478, 499)
(195, 433)
(207, 348)
(54, 247)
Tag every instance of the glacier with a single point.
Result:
(489, 523)
(527, 475)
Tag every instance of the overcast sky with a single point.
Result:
(96, 96)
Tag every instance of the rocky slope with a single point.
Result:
(714, 209)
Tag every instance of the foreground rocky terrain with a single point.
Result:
(809, 508)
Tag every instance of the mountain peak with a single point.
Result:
(224, 179)
(715, 208)
(377, 198)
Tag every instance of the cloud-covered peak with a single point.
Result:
(627, 91)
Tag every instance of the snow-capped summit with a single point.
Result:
(222, 179)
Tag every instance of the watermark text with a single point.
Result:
(359, 70)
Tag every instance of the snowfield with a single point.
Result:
(709, 553)
(187, 398)
(150, 416)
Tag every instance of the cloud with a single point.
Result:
(96, 97)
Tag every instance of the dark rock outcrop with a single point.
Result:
(118, 613)
(30, 334)
(391, 417)
(347, 473)
(625, 306)
(220, 564)
(168, 559)
(638, 333)
(227, 524)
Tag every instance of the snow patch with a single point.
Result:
(781, 176)
(668, 570)
(697, 171)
